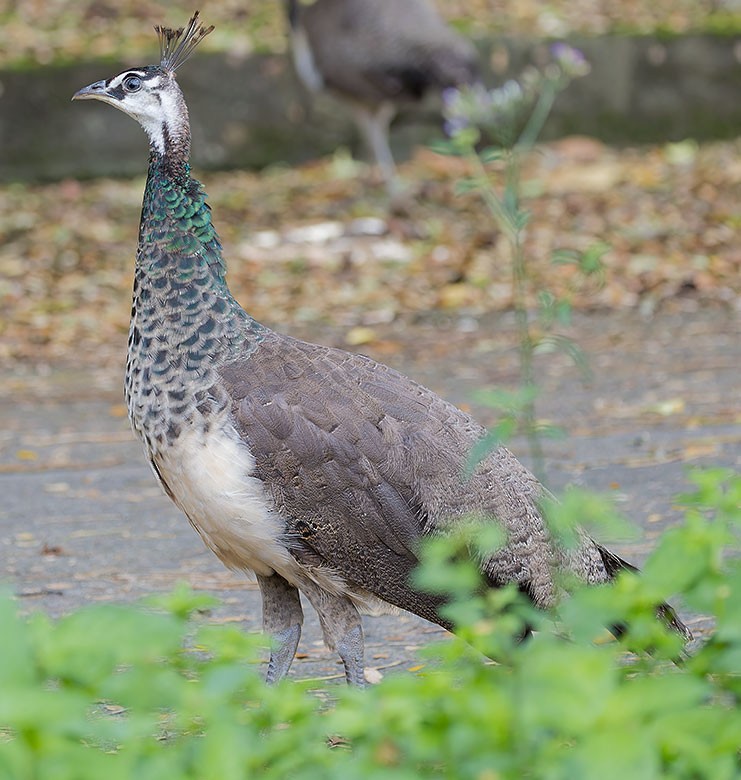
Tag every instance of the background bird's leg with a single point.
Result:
(374, 126)
(282, 618)
(342, 629)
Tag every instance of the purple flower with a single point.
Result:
(484, 109)
(499, 113)
(572, 62)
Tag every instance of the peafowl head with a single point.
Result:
(151, 94)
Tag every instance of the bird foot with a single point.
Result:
(350, 649)
(281, 657)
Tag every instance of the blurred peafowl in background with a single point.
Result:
(319, 470)
(376, 55)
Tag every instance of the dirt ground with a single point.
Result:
(83, 521)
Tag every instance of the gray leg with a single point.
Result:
(282, 618)
(351, 648)
(374, 125)
(342, 629)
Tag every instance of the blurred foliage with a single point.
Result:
(46, 31)
(669, 213)
(511, 119)
(122, 692)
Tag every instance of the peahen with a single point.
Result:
(317, 469)
(377, 55)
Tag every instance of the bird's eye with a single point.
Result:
(132, 83)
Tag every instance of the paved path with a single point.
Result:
(82, 520)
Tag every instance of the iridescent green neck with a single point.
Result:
(176, 228)
(185, 323)
(180, 280)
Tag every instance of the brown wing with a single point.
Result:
(349, 449)
(373, 50)
(362, 461)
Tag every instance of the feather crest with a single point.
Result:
(177, 45)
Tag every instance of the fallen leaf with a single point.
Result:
(699, 450)
(373, 675)
(360, 335)
(56, 487)
(113, 709)
(668, 407)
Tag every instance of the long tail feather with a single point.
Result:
(614, 565)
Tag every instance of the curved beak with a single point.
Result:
(96, 91)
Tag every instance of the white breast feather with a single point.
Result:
(210, 476)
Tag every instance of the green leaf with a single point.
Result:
(17, 664)
(466, 138)
(446, 147)
(521, 220)
(565, 257)
(684, 556)
(563, 312)
(491, 154)
(182, 601)
(582, 509)
(87, 646)
(564, 688)
(465, 185)
(616, 755)
(590, 261)
(506, 400)
(553, 342)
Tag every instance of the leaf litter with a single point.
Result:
(45, 31)
(314, 246)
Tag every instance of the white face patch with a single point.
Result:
(173, 112)
(157, 104)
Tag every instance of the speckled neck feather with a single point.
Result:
(184, 319)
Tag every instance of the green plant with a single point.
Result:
(121, 692)
(509, 120)
(566, 704)
(158, 692)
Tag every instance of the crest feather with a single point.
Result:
(177, 45)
